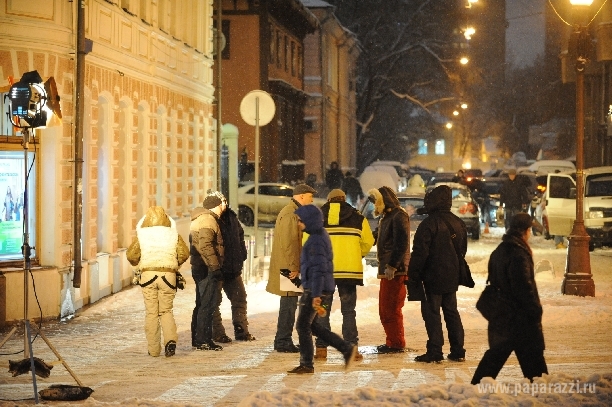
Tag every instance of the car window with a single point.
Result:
(275, 190)
(560, 187)
(460, 193)
(251, 190)
(599, 185)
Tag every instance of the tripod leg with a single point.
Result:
(9, 336)
(59, 357)
(32, 366)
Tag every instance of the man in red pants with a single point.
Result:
(393, 247)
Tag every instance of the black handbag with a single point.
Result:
(493, 305)
(465, 274)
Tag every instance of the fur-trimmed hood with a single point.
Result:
(383, 198)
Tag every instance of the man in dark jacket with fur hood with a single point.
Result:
(393, 253)
(435, 262)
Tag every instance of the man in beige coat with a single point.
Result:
(285, 256)
(157, 252)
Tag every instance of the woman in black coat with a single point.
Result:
(511, 271)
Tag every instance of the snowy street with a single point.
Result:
(105, 347)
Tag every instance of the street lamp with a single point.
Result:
(464, 61)
(578, 279)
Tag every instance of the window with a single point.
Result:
(422, 147)
(12, 184)
(293, 59)
(287, 53)
(272, 44)
(225, 28)
(278, 49)
(439, 148)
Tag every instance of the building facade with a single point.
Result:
(330, 55)
(264, 50)
(148, 136)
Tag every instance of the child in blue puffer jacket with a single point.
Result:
(317, 274)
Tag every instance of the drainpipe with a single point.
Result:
(77, 186)
(219, 124)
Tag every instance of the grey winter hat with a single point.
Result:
(303, 189)
(336, 193)
(211, 201)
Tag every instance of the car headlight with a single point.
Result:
(594, 214)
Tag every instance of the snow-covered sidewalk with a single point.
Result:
(105, 347)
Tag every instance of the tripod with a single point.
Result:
(26, 251)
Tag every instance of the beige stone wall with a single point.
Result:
(148, 135)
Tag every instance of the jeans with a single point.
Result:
(308, 325)
(286, 321)
(236, 294)
(348, 302)
(430, 311)
(207, 296)
(509, 214)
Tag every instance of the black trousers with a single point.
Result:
(430, 311)
(503, 340)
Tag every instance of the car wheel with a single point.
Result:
(476, 233)
(547, 235)
(245, 215)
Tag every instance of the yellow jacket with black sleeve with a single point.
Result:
(351, 239)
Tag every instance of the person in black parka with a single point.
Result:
(511, 270)
(435, 262)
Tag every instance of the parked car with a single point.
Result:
(393, 168)
(441, 177)
(464, 206)
(597, 200)
(543, 167)
(272, 198)
(377, 179)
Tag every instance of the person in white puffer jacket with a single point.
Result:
(157, 252)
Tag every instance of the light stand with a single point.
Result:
(27, 98)
(578, 279)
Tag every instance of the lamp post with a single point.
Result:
(578, 279)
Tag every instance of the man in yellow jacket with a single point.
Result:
(351, 239)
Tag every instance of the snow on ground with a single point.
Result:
(105, 346)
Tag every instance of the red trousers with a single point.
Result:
(391, 298)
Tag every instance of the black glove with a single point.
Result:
(217, 274)
(180, 281)
(296, 281)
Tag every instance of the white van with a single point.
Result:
(543, 167)
(561, 204)
(394, 169)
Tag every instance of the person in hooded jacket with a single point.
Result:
(393, 253)
(351, 239)
(207, 252)
(157, 252)
(435, 262)
(317, 274)
(511, 271)
(231, 281)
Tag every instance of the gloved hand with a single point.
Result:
(180, 281)
(217, 274)
(390, 272)
(136, 277)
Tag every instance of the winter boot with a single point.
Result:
(321, 353)
(170, 348)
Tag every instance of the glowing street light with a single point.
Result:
(449, 125)
(464, 61)
(578, 279)
(464, 105)
(455, 113)
(469, 32)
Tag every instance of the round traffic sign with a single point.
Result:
(249, 110)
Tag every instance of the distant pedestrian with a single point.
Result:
(207, 258)
(416, 185)
(514, 197)
(333, 176)
(511, 271)
(393, 253)
(316, 272)
(285, 258)
(352, 189)
(231, 281)
(435, 261)
(459, 177)
(351, 239)
(157, 252)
